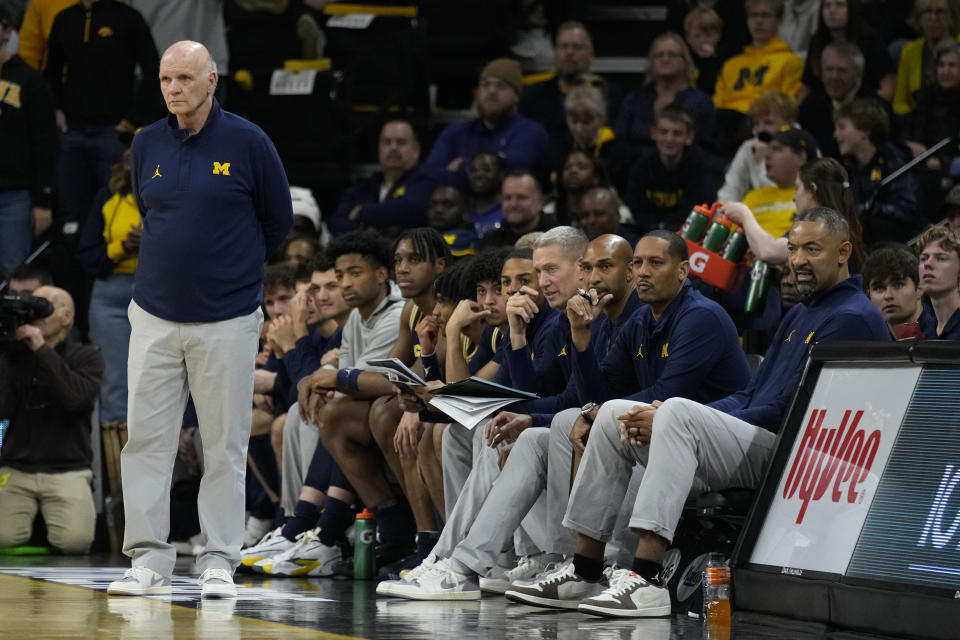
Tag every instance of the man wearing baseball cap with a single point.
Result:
(789, 149)
(497, 129)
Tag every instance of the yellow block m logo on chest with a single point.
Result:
(221, 168)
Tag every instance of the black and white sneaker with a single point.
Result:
(628, 596)
(559, 589)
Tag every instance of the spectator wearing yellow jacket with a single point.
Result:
(765, 65)
(35, 30)
(109, 246)
(938, 20)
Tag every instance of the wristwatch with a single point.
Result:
(585, 411)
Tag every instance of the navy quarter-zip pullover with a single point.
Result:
(842, 312)
(690, 351)
(215, 206)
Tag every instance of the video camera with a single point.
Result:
(20, 310)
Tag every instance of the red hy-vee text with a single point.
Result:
(840, 455)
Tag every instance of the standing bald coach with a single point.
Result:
(215, 204)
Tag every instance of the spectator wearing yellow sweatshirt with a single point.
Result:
(766, 64)
(109, 247)
(35, 30)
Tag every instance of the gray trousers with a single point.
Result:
(459, 447)
(212, 361)
(300, 439)
(531, 493)
(692, 448)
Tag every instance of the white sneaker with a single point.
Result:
(438, 581)
(140, 581)
(531, 568)
(385, 587)
(270, 545)
(628, 596)
(495, 581)
(217, 583)
(308, 557)
(560, 589)
(256, 529)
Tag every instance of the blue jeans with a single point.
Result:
(86, 157)
(16, 232)
(110, 330)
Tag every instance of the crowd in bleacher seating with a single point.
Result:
(533, 243)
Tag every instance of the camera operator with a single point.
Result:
(48, 386)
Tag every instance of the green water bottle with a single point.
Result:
(736, 247)
(365, 530)
(759, 283)
(716, 234)
(696, 223)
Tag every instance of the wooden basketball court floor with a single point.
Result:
(60, 597)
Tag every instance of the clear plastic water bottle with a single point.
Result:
(716, 598)
(365, 537)
(4, 425)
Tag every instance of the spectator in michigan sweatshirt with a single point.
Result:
(670, 179)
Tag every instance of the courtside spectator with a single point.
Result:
(939, 255)
(35, 30)
(938, 20)
(97, 93)
(544, 101)
(702, 29)
(820, 183)
(862, 133)
(522, 202)
(580, 172)
(600, 214)
(48, 388)
(937, 113)
(842, 21)
(891, 278)
(109, 248)
(28, 131)
(447, 213)
(395, 197)
(587, 120)
(670, 83)
(499, 128)
(766, 64)
(774, 206)
(485, 174)
(770, 113)
(840, 82)
(667, 181)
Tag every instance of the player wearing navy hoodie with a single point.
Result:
(684, 444)
(215, 204)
